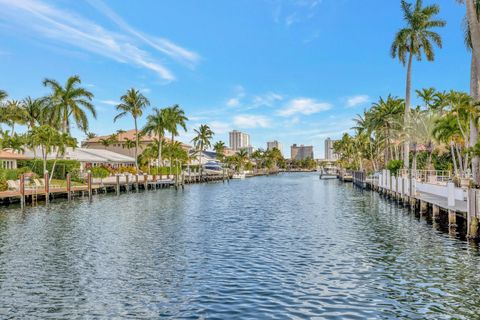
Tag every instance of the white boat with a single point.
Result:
(238, 176)
(328, 172)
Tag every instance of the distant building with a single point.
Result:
(329, 151)
(275, 144)
(301, 152)
(239, 140)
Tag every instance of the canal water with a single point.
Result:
(285, 247)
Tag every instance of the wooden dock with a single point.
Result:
(118, 184)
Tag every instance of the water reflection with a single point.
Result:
(289, 246)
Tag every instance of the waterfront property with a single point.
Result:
(90, 158)
(123, 142)
(8, 159)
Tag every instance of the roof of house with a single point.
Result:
(9, 155)
(91, 155)
(129, 135)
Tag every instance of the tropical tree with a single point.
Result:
(175, 118)
(415, 40)
(202, 140)
(33, 111)
(70, 101)
(219, 148)
(91, 135)
(133, 103)
(156, 124)
(12, 114)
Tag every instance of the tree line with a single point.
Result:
(443, 129)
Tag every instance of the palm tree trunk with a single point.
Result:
(474, 92)
(474, 25)
(173, 137)
(136, 143)
(455, 169)
(406, 150)
(460, 161)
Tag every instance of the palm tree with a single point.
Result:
(3, 95)
(91, 135)
(133, 103)
(70, 101)
(415, 39)
(174, 118)
(33, 111)
(156, 124)
(473, 23)
(219, 148)
(13, 113)
(202, 140)
(242, 156)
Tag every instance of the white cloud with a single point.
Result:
(305, 106)
(357, 100)
(239, 94)
(268, 99)
(233, 102)
(160, 44)
(48, 21)
(109, 102)
(219, 127)
(251, 121)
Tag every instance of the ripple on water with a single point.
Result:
(287, 247)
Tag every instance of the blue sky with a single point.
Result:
(293, 70)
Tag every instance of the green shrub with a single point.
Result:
(62, 167)
(100, 172)
(394, 166)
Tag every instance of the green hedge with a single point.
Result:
(61, 168)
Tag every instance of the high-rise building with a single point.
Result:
(275, 144)
(329, 151)
(301, 152)
(239, 140)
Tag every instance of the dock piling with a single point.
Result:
(69, 187)
(89, 185)
(22, 190)
(47, 186)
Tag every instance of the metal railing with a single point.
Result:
(428, 176)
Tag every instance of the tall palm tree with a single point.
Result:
(13, 113)
(415, 40)
(70, 101)
(156, 124)
(219, 148)
(473, 23)
(174, 118)
(202, 140)
(133, 103)
(475, 94)
(33, 111)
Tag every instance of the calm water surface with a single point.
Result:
(284, 247)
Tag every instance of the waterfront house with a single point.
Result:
(8, 159)
(123, 143)
(89, 158)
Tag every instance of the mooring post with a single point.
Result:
(127, 186)
(69, 187)
(117, 176)
(145, 182)
(154, 181)
(435, 212)
(452, 219)
(472, 207)
(47, 186)
(22, 190)
(423, 207)
(89, 185)
(136, 182)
